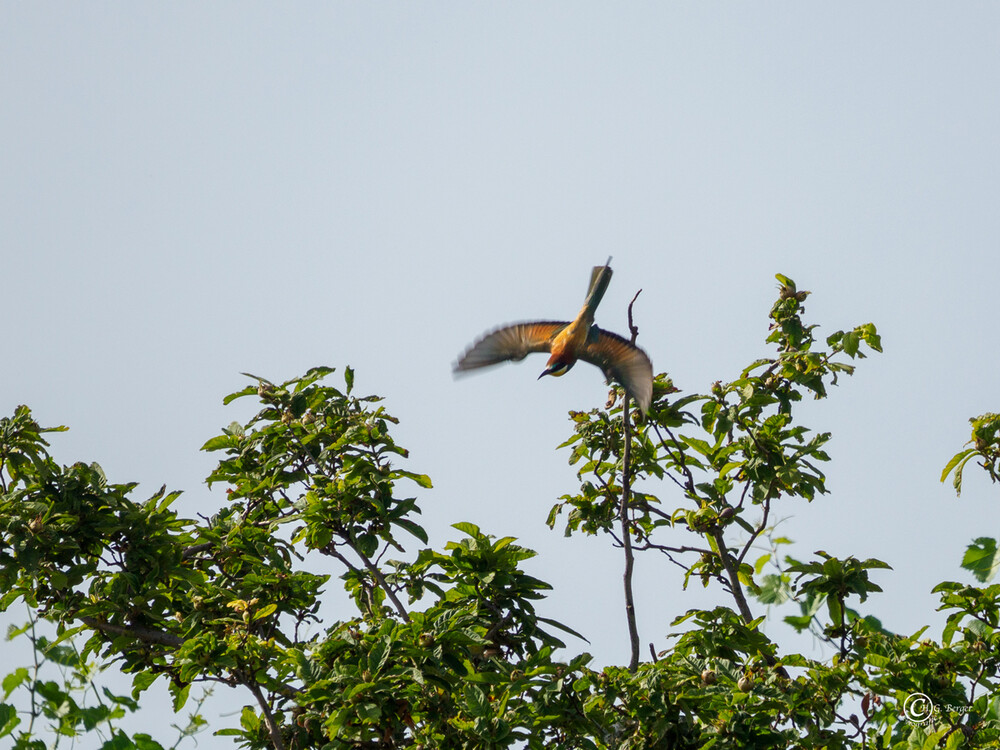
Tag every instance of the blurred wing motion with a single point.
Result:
(621, 361)
(513, 342)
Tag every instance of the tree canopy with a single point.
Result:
(445, 648)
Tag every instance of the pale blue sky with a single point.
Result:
(188, 191)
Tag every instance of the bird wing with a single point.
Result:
(511, 342)
(622, 361)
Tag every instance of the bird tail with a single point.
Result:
(600, 277)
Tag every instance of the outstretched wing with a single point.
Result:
(622, 361)
(511, 342)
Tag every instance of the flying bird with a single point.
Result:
(566, 343)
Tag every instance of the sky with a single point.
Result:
(192, 191)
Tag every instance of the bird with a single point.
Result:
(619, 358)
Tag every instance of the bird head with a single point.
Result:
(556, 368)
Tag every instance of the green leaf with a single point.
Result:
(982, 558)
(797, 622)
(141, 682)
(761, 562)
(955, 740)
(702, 446)
(248, 391)
(249, 720)
(499, 544)
(955, 460)
(119, 741)
(564, 628)
(957, 481)
(467, 528)
(871, 337)
(371, 712)
(367, 544)
(850, 344)
(416, 529)
(933, 740)
(836, 609)
(8, 719)
(66, 635)
(180, 695)
(11, 681)
(145, 742)
(745, 575)
(773, 590)
(266, 610)
(993, 712)
(877, 660)
(724, 471)
(476, 699)
(219, 442)
(422, 479)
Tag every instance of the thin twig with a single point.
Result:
(678, 459)
(383, 584)
(757, 532)
(647, 508)
(633, 329)
(331, 550)
(623, 514)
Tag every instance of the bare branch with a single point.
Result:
(677, 458)
(272, 726)
(758, 531)
(146, 635)
(375, 572)
(732, 574)
(623, 515)
(189, 552)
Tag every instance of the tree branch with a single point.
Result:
(758, 531)
(194, 549)
(733, 575)
(678, 459)
(375, 572)
(272, 726)
(146, 635)
(623, 514)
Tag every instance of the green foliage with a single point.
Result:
(740, 452)
(985, 443)
(981, 556)
(71, 706)
(443, 647)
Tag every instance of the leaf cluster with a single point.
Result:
(443, 647)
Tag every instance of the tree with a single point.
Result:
(445, 648)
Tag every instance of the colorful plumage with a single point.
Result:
(569, 342)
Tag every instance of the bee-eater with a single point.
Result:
(568, 342)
